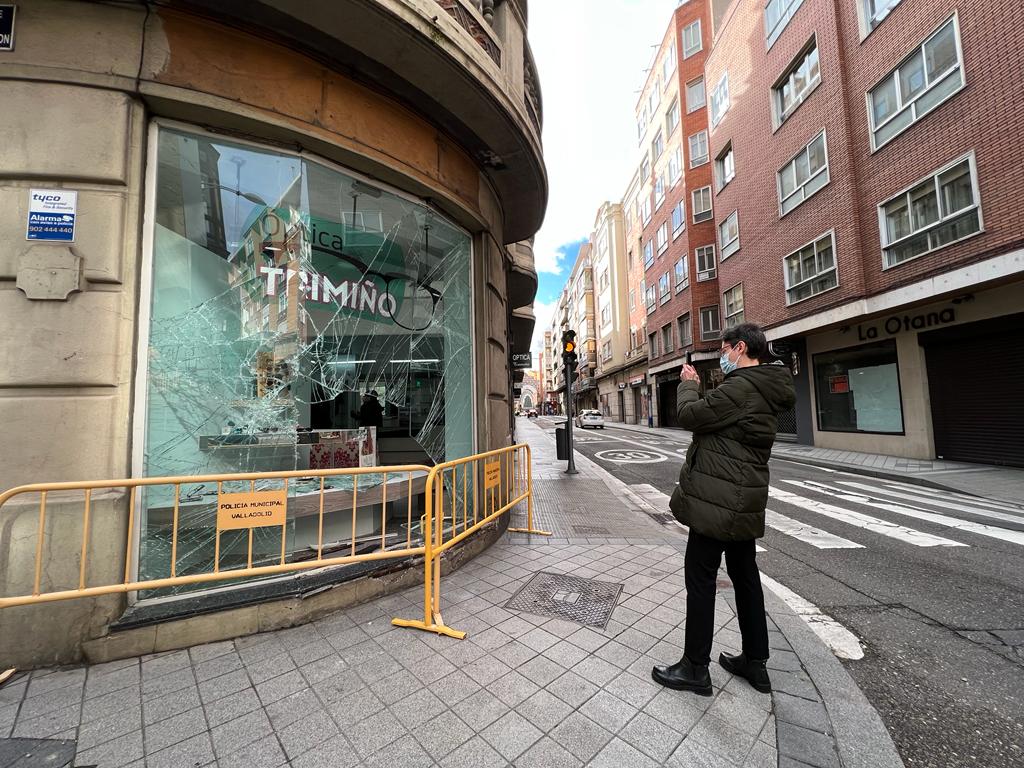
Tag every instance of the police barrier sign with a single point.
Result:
(51, 215)
(7, 27)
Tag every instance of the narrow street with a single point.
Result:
(931, 583)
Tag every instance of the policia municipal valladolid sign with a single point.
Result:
(7, 27)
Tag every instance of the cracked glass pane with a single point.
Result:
(300, 318)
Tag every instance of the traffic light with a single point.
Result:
(569, 350)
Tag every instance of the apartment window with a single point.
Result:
(706, 267)
(648, 254)
(701, 206)
(811, 270)
(645, 210)
(695, 96)
(804, 175)
(692, 41)
(678, 219)
(652, 345)
(682, 274)
(658, 145)
(632, 299)
(675, 167)
(654, 99)
(645, 169)
(659, 190)
(733, 300)
(725, 167)
(666, 338)
(925, 79)
(664, 291)
(663, 238)
(606, 351)
(729, 235)
(777, 14)
(720, 100)
(672, 118)
(790, 90)
(606, 316)
(641, 126)
(698, 149)
(668, 64)
(685, 331)
(710, 324)
(651, 299)
(937, 211)
(875, 11)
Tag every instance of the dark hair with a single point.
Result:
(751, 335)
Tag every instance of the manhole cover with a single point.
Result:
(590, 530)
(558, 596)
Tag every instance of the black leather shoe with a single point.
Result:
(751, 670)
(684, 676)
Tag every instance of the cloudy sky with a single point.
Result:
(592, 57)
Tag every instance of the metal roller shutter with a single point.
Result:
(976, 384)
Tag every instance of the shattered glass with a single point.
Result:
(283, 292)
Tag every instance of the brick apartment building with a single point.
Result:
(868, 183)
(676, 240)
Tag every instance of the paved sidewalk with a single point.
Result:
(1003, 483)
(522, 689)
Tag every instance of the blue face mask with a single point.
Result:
(727, 365)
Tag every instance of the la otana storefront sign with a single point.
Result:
(898, 324)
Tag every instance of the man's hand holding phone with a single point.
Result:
(689, 373)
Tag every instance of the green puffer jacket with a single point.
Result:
(723, 486)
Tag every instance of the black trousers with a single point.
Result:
(703, 558)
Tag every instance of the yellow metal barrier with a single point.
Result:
(235, 511)
(492, 483)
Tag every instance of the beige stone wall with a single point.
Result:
(76, 117)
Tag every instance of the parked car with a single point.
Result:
(590, 419)
(532, 413)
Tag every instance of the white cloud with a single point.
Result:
(591, 56)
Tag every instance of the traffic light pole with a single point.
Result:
(570, 468)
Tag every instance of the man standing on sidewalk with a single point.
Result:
(721, 497)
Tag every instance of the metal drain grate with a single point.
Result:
(590, 530)
(558, 596)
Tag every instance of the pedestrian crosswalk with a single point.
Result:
(798, 507)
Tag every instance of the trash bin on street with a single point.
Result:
(561, 444)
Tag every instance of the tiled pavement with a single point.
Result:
(521, 690)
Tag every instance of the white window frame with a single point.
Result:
(723, 174)
(728, 248)
(831, 236)
(720, 102)
(699, 159)
(675, 167)
(707, 272)
(869, 21)
(705, 213)
(912, 105)
(677, 231)
(727, 315)
(673, 111)
(632, 299)
(788, 11)
(648, 249)
(691, 108)
(664, 289)
(685, 340)
(801, 190)
(668, 338)
(651, 299)
(662, 238)
(659, 190)
(652, 344)
(668, 64)
(658, 145)
(780, 115)
(654, 99)
(681, 284)
(943, 218)
(689, 47)
(645, 168)
(711, 334)
(606, 321)
(645, 210)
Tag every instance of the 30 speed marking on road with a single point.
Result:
(631, 456)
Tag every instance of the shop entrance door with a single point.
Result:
(667, 402)
(977, 408)
(622, 406)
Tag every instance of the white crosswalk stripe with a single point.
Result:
(860, 520)
(978, 507)
(807, 533)
(991, 531)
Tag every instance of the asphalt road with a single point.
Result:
(925, 580)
